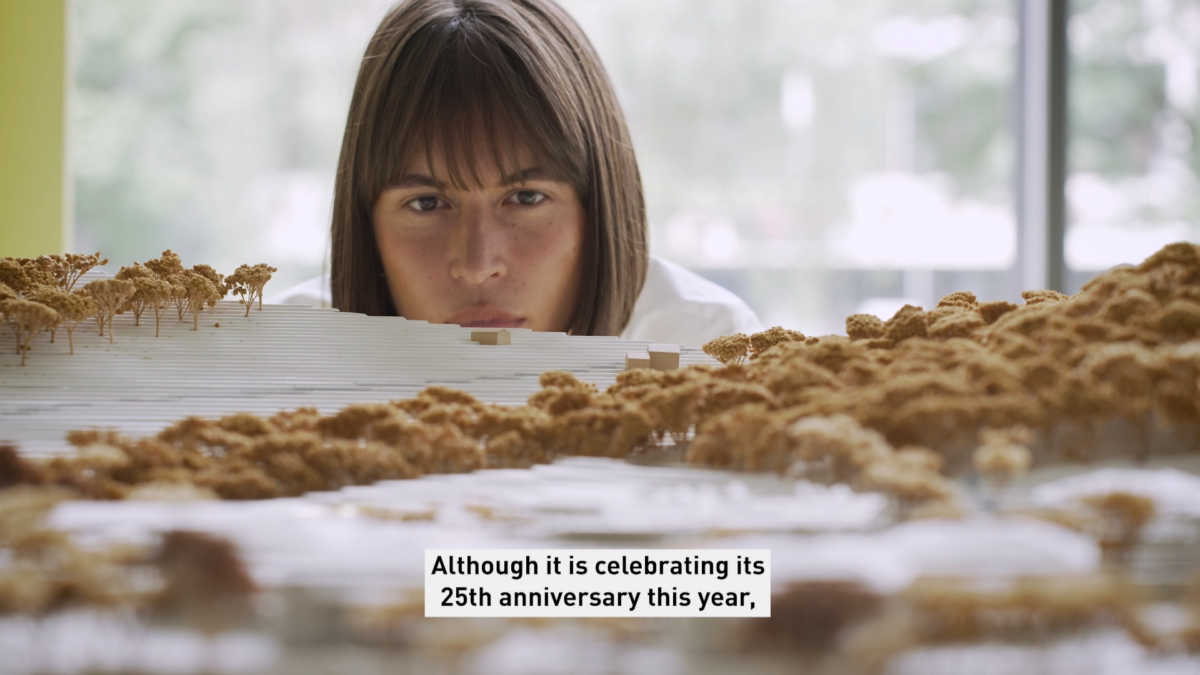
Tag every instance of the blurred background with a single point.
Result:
(816, 158)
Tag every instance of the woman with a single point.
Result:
(487, 178)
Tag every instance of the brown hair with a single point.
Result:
(490, 73)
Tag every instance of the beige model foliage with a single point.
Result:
(156, 285)
(864, 327)
(165, 266)
(908, 322)
(12, 275)
(730, 349)
(207, 586)
(764, 340)
(994, 309)
(46, 296)
(157, 294)
(73, 309)
(67, 269)
(169, 268)
(217, 279)
(1004, 453)
(28, 318)
(203, 577)
(199, 292)
(137, 302)
(6, 293)
(247, 283)
(1116, 520)
(44, 571)
(948, 610)
(178, 296)
(1040, 296)
(110, 296)
(39, 272)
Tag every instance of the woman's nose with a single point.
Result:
(478, 244)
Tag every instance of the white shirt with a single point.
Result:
(676, 306)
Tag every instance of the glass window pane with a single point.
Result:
(1134, 111)
(212, 127)
(821, 158)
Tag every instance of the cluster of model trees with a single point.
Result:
(39, 295)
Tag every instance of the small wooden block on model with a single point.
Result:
(664, 357)
(492, 336)
(635, 360)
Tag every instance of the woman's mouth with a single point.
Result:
(487, 317)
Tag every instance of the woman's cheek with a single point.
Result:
(415, 264)
(553, 240)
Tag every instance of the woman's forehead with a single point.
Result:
(483, 167)
(491, 161)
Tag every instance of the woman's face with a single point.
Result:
(505, 255)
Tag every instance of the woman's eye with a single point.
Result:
(424, 203)
(528, 197)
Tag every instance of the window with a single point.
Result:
(212, 127)
(821, 158)
(1134, 109)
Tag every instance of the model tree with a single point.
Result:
(110, 296)
(762, 341)
(199, 291)
(166, 266)
(1003, 455)
(730, 349)
(212, 275)
(47, 295)
(73, 309)
(136, 303)
(28, 318)
(216, 279)
(6, 293)
(178, 297)
(39, 271)
(12, 275)
(1116, 520)
(247, 282)
(48, 280)
(169, 268)
(157, 294)
(67, 269)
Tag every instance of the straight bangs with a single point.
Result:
(476, 102)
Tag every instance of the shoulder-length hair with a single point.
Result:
(465, 74)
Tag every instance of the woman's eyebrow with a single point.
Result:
(522, 176)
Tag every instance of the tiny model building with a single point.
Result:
(664, 357)
(635, 360)
(492, 336)
(656, 357)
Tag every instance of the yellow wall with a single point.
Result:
(34, 216)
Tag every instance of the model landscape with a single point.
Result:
(944, 415)
(38, 294)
